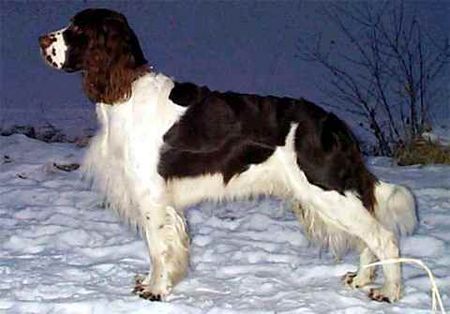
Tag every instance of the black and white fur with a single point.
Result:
(169, 145)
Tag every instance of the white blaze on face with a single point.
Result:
(55, 54)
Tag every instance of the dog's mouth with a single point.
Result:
(69, 69)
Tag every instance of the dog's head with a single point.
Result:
(101, 44)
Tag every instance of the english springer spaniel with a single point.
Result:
(164, 145)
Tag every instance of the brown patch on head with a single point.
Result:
(101, 43)
(113, 59)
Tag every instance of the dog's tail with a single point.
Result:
(396, 208)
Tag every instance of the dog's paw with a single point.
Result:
(149, 295)
(140, 282)
(356, 280)
(349, 278)
(382, 295)
(147, 291)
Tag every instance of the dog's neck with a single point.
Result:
(149, 101)
(112, 86)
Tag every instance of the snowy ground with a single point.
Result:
(62, 253)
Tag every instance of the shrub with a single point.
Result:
(422, 151)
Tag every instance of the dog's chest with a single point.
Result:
(131, 137)
(124, 155)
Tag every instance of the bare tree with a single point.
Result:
(386, 71)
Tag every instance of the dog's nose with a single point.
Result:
(45, 41)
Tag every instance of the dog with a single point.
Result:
(164, 145)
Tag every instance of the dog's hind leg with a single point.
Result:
(338, 242)
(347, 212)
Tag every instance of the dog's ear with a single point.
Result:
(121, 41)
(113, 61)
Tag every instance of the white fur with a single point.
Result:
(60, 48)
(395, 208)
(395, 211)
(325, 234)
(261, 179)
(123, 157)
(122, 162)
(364, 275)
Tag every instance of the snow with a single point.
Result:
(62, 252)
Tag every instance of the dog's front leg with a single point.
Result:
(168, 244)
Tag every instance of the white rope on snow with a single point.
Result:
(435, 295)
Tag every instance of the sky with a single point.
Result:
(249, 46)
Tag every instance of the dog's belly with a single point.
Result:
(266, 178)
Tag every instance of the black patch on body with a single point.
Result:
(227, 132)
